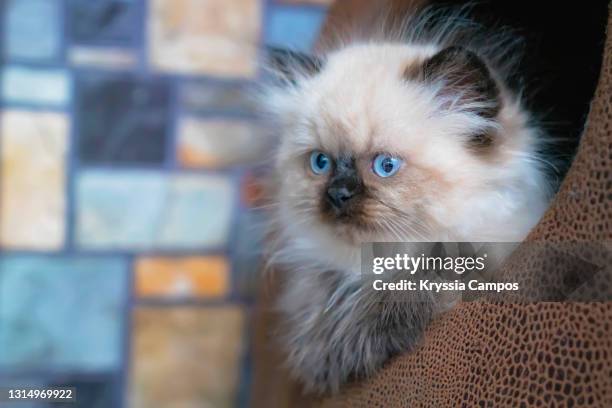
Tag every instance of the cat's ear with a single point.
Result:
(465, 79)
(290, 65)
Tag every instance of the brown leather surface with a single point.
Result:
(503, 354)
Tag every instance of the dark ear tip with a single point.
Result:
(466, 72)
(455, 50)
(287, 62)
(454, 56)
(273, 53)
(469, 57)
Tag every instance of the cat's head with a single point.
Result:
(390, 142)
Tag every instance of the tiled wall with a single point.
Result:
(127, 201)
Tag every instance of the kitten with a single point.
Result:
(417, 137)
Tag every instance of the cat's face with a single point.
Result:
(386, 143)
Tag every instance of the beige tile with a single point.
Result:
(186, 357)
(32, 179)
(218, 143)
(204, 36)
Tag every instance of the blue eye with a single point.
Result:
(319, 162)
(385, 165)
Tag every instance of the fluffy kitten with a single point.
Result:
(417, 138)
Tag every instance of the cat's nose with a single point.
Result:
(340, 196)
(344, 186)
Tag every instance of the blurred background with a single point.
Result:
(128, 257)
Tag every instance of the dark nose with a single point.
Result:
(344, 186)
(339, 196)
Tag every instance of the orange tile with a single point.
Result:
(193, 159)
(182, 277)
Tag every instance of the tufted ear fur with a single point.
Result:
(465, 79)
(290, 65)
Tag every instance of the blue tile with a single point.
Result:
(294, 27)
(43, 87)
(110, 22)
(33, 29)
(60, 313)
(146, 210)
(122, 119)
(101, 393)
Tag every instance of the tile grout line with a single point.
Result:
(3, 35)
(72, 167)
(173, 126)
(122, 390)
